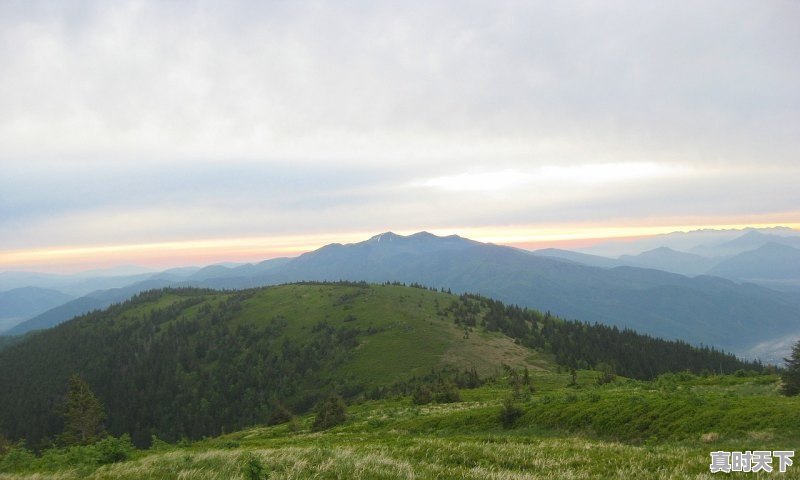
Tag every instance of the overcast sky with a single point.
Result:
(268, 127)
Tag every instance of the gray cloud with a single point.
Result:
(441, 80)
(195, 118)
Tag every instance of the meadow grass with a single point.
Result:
(660, 429)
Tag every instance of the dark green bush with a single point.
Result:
(422, 395)
(16, 459)
(509, 413)
(279, 414)
(252, 467)
(112, 450)
(330, 412)
(447, 393)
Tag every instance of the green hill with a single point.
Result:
(190, 363)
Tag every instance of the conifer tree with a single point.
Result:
(791, 376)
(84, 414)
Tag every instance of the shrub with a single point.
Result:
(330, 412)
(509, 413)
(158, 444)
(279, 414)
(73, 456)
(422, 395)
(447, 393)
(112, 450)
(607, 374)
(252, 467)
(16, 459)
(5, 445)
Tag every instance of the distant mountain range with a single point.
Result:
(706, 242)
(75, 285)
(755, 257)
(704, 309)
(24, 302)
(771, 264)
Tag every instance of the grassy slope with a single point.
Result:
(404, 332)
(566, 432)
(412, 335)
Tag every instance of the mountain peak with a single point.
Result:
(391, 236)
(422, 234)
(753, 234)
(384, 237)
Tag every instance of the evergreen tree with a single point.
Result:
(791, 376)
(84, 415)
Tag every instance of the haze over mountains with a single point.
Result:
(768, 257)
(636, 291)
(707, 242)
(21, 303)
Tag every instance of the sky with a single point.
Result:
(179, 133)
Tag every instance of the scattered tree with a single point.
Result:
(84, 414)
(791, 375)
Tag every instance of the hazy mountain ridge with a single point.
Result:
(706, 242)
(97, 300)
(703, 309)
(669, 260)
(734, 259)
(25, 302)
(771, 261)
(75, 285)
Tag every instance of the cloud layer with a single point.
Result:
(129, 122)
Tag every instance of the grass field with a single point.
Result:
(626, 429)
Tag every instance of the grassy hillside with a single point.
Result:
(189, 363)
(624, 429)
(192, 363)
(408, 335)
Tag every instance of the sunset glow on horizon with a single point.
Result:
(162, 255)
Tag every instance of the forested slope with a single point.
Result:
(191, 363)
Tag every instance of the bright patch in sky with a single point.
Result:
(553, 176)
(477, 181)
